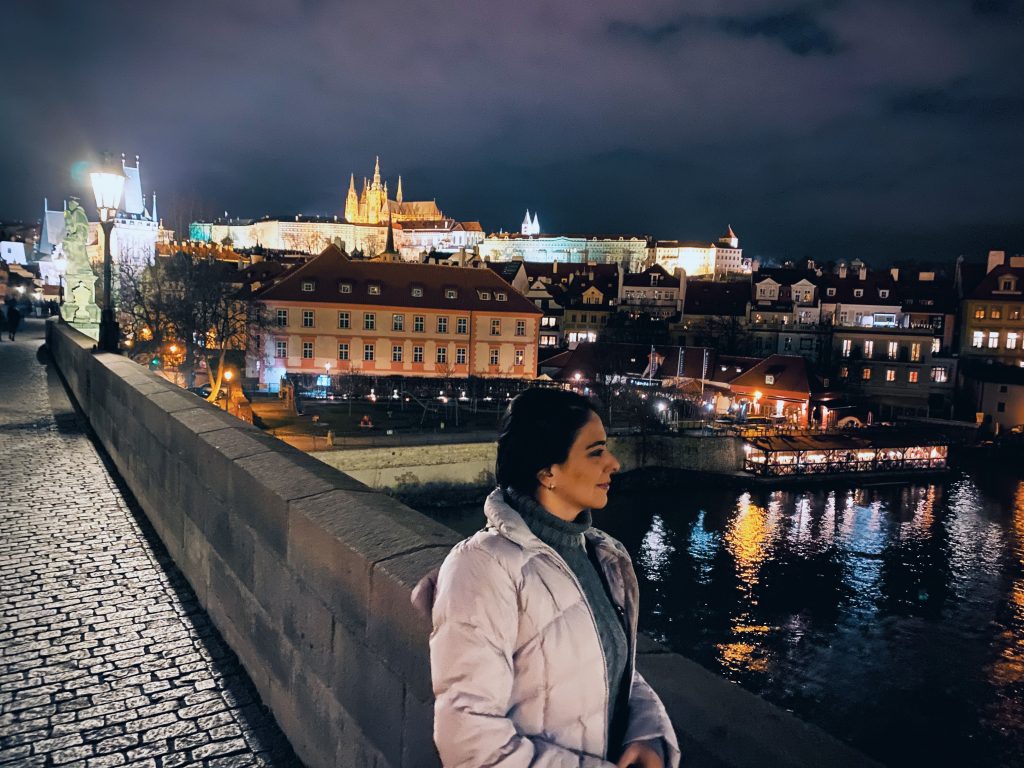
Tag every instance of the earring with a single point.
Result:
(551, 487)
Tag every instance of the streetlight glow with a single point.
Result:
(107, 186)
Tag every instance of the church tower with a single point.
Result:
(374, 196)
(398, 194)
(351, 201)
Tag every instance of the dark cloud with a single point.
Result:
(807, 126)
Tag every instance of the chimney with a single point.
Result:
(863, 273)
(842, 271)
(554, 267)
(895, 272)
(995, 258)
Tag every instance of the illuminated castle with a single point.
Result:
(372, 205)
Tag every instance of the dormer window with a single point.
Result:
(344, 287)
(484, 295)
(451, 293)
(883, 293)
(830, 292)
(1007, 283)
(417, 292)
(501, 296)
(769, 379)
(373, 289)
(308, 286)
(858, 292)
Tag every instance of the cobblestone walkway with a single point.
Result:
(106, 657)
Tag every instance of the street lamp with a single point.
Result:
(107, 185)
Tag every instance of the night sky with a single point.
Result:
(881, 129)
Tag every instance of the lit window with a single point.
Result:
(1015, 313)
(442, 325)
(940, 375)
(493, 356)
(993, 339)
(343, 351)
(373, 289)
(369, 321)
(396, 353)
(460, 355)
(520, 327)
(398, 322)
(308, 286)
(866, 374)
(893, 350)
(281, 348)
(520, 357)
(282, 317)
(1011, 340)
(979, 313)
(844, 372)
(912, 377)
(915, 352)
(461, 325)
(442, 355)
(417, 323)
(890, 374)
(307, 318)
(495, 327)
(936, 345)
(996, 313)
(344, 320)
(368, 351)
(307, 350)
(977, 339)
(417, 354)
(869, 349)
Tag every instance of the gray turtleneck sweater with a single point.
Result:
(566, 538)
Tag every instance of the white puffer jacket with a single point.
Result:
(516, 661)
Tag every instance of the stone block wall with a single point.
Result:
(307, 574)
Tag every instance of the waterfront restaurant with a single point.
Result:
(834, 454)
(782, 387)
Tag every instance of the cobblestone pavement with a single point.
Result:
(106, 657)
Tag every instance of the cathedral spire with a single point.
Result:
(536, 224)
(389, 247)
(376, 171)
(154, 207)
(398, 194)
(525, 228)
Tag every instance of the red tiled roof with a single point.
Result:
(790, 373)
(396, 280)
(705, 297)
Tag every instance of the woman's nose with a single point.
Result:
(616, 466)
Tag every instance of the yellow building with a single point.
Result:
(372, 205)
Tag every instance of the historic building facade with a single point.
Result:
(992, 313)
(373, 206)
(335, 316)
(628, 251)
(700, 258)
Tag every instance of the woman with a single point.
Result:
(534, 643)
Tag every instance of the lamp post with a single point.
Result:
(107, 185)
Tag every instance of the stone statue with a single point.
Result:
(79, 307)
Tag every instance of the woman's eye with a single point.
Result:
(596, 453)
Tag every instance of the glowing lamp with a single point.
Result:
(228, 375)
(107, 186)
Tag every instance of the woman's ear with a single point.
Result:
(544, 477)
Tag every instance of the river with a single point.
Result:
(892, 616)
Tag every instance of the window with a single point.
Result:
(912, 377)
(893, 350)
(1015, 313)
(396, 353)
(398, 322)
(344, 320)
(979, 313)
(940, 375)
(307, 318)
(769, 379)
(368, 351)
(417, 354)
(866, 374)
(993, 339)
(1001, 407)
(869, 349)
(936, 345)
(886, 320)
(572, 317)
(501, 296)
(520, 327)
(858, 292)
(369, 321)
(1011, 340)
(460, 355)
(843, 317)
(442, 325)
(977, 339)
(520, 357)
(343, 350)
(344, 287)
(307, 350)
(417, 323)
(593, 319)
(915, 352)
(493, 356)
(308, 286)
(1006, 283)
(495, 327)
(890, 374)
(417, 292)
(830, 291)
(484, 295)
(442, 354)
(373, 289)
(280, 348)
(844, 372)
(883, 293)
(1003, 389)
(451, 293)
(996, 313)
(462, 325)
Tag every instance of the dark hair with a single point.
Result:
(537, 430)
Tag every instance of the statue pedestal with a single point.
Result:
(80, 309)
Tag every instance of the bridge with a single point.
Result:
(179, 588)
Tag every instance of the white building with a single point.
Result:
(629, 251)
(700, 258)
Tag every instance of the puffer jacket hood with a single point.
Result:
(516, 659)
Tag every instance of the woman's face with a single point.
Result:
(583, 479)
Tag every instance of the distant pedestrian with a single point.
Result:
(13, 320)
